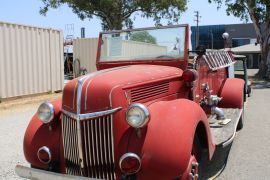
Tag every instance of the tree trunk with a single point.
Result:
(263, 63)
(263, 36)
(264, 66)
(117, 24)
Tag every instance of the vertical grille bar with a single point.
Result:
(97, 145)
(105, 146)
(70, 145)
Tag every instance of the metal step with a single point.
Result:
(223, 135)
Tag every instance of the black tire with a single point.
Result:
(200, 154)
(249, 91)
(240, 124)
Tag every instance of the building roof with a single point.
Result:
(247, 49)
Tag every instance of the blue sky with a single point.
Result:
(27, 12)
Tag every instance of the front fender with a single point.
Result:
(168, 143)
(38, 134)
(232, 93)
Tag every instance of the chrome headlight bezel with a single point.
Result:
(142, 110)
(44, 108)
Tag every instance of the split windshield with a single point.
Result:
(151, 44)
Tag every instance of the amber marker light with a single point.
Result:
(190, 75)
(130, 163)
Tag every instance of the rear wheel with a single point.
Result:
(240, 123)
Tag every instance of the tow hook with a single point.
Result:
(194, 174)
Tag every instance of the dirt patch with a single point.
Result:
(28, 100)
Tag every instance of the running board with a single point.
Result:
(223, 134)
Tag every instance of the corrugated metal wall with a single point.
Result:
(132, 49)
(85, 50)
(31, 60)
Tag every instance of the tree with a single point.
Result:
(143, 36)
(258, 11)
(115, 14)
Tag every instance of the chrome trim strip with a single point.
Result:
(78, 116)
(47, 150)
(127, 155)
(112, 144)
(110, 95)
(32, 173)
(147, 28)
(86, 77)
(95, 74)
(86, 92)
(81, 117)
(74, 91)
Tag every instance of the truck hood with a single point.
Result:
(93, 92)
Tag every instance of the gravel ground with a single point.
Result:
(14, 118)
(13, 122)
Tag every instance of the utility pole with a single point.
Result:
(197, 20)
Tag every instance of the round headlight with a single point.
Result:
(137, 115)
(46, 112)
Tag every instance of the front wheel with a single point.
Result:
(194, 169)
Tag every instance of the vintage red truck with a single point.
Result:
(145, 114)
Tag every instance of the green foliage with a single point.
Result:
(258, 11)
(115, 14)
(143, 36)
(244, 9)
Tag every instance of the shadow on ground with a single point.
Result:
(260, 84)
(212, 169)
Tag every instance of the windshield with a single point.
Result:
(152, 44)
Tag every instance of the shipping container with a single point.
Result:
(31, 60)
(85, 51)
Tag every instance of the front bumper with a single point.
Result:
(32, 173)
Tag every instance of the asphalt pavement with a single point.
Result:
(13, 123)
(247, 158)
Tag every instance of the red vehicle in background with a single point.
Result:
(143, 115)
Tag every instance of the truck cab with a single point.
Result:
(143, 115)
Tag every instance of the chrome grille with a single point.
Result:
(97, 147)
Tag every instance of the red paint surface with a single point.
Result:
(38, 134)
(214, 79)
(96, 91)
(165, 144)
(232, 93)
(168, 143)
